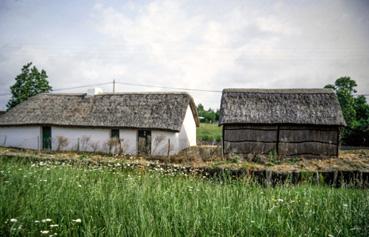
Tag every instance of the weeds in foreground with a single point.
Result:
(39, 199)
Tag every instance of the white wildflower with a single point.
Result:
(77, 220)
(280, 200)
(37, 221)
(13, 220)
(55, 225)
(46, 220)
(345, 205)
(44, 232)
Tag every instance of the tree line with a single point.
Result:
(207, 116)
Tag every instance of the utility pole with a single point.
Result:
(113, 86)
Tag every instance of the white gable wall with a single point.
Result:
(188, 130)
(21, 136)
(178, 140)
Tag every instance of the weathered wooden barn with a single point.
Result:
(289, 122)
(131, 123)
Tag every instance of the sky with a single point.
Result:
(206, 45)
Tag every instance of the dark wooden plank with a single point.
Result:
(303, 135)
(278, 140)
(252, 127)
(307, 127)
(248, 147)
(313, 148)
(250, 135)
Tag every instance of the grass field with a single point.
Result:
(43, 199)
(209, 132)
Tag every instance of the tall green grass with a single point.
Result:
(209, 132)
(115, 202)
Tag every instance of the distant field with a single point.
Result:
(209, 132)
(45, 199)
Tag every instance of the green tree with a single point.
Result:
(29, 83)
(345, 89)
(208, 116)
(355, 110)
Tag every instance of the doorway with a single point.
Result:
(144, 142)
(46, 138)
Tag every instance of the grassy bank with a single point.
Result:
(44, 199)
(209, 132)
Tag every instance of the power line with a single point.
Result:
(69, 88)
(167, 87)
(83, 86)
(143, 85)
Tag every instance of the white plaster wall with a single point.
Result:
(94, 139)
(159, 142)
(89, 139)
(21, 136)
(187, 135)
(178, 140)
(128, 139)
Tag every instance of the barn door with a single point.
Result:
(46, 138)
(144, 142)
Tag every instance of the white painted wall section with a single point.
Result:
(188, 130)
(128, 139)
(82, 139)
(22, 137)
(93, 139)
(159, 143)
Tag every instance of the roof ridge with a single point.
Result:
(280, 90)
(120, 93)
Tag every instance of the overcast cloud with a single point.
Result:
(189, 44)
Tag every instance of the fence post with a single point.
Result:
(78, 144)
(38, 143)
(5, 140)
(168, 148)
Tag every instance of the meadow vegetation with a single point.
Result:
(56, 198)
(209, 132)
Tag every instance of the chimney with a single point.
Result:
(94, 91)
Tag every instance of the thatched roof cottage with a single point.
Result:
(285, 121)
(131, 123)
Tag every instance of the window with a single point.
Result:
(115, 133)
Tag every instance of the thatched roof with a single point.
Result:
(130, 110)
(280, 106)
